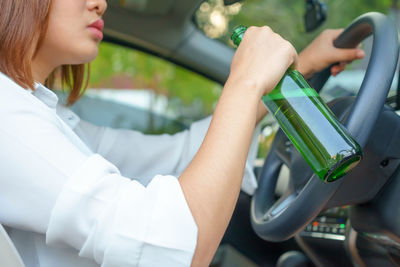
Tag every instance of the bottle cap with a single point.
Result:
(237, 34)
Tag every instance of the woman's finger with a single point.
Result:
(336, 69)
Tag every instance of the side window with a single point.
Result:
(134, 90)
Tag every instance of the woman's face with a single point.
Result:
(74, 32)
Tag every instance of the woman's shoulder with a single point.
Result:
(12, 94)
(20, 108)
(16, 98)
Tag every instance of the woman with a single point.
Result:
(64, 201)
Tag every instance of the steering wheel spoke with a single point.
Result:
(283, 202)
(284, 148)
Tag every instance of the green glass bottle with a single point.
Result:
(310, 125)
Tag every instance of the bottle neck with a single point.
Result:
(237, 35)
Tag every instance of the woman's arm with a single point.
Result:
(212, 181)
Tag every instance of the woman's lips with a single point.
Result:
(97, 28)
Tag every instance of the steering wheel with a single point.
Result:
(307, 195)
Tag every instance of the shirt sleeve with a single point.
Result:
(142, 155)
(81, 200)
(119, 222)
(171, 153)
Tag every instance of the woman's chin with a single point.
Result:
(87, 56)
(92, 57)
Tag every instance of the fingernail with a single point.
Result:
(360, 53)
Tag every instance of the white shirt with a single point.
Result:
(75, 194)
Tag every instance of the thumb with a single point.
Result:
(345, 54)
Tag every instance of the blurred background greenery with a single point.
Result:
(283, 16)
(190, 95)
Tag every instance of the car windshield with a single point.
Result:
(218, 18)
(286, 17)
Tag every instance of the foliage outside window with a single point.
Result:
(190, 96)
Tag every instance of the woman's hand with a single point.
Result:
(261, 59)
(321, 53)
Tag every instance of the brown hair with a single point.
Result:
(23, 25)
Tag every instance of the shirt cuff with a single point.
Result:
(119, 222)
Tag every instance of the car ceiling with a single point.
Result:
(166, 28)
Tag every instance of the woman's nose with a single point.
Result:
(99, 6)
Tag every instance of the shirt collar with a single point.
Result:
(49, 98)
(45, 95)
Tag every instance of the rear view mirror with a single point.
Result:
(315, 14)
